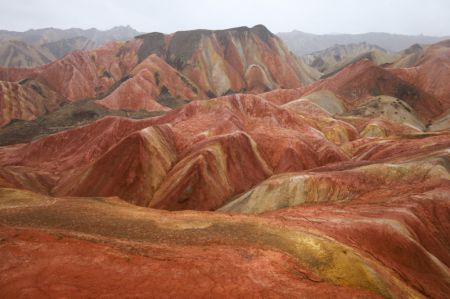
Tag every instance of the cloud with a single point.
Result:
(319, 16)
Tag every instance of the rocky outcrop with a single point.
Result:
(208, 151)
(153, 85)
(365, 183)
(157, 72)
(431, 72)
(344, 188)
(232, 60)
(26, 100)
(236, 152)
(356, 84)
(82, 75)
(317, 251)
(390, 109)
(144, 157)
(211, 172)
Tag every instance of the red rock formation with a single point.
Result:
(397, 248)
(143, 157)
(252, 59)
(268, 137)
(377, 127)
(80, 75)
(211, 172)
(397, 233)
(424, 87)
(207, 148)
(74, 77)
(282, 96)
(345, 205)
(148, 81)
(26, 100)
(73, 148)
(184, 66)
(368, 183)
(399, 146)
(364, 79)
(156, 271)
(431, 72)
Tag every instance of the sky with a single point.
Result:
(428, 17)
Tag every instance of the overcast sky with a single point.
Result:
(429, 17)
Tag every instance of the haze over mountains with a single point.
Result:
(333, 59)
(40, 46)
(302, 43)
(216, 163)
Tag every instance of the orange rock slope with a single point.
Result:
(422, 84)
(336, 189)
(198, 156)
(368, 216)
(26, 100)
(67, 246)
(156, 72)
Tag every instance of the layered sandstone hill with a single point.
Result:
(197, 156)
(204, 154)
(338, 213)
(335, 189)
(238, 59)
(156, 72)
(422, 86)
(394, 247)
(25, 100)
(431, 72)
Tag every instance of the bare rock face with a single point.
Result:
(358, 83)
(321, 200)
(150, 82)
(144, 157)
(157, 72)
(338, 188)
(218, 149)
(200, 156)
(233, 60)
(82, 75)
(316, 251)
(211, 172)
(364, 79)
(364, 183)
(431, 72)
(26, 100)
(390, 109)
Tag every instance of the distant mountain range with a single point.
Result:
(48, 35)
(302, 43)
(36, 47)
(335, 58)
